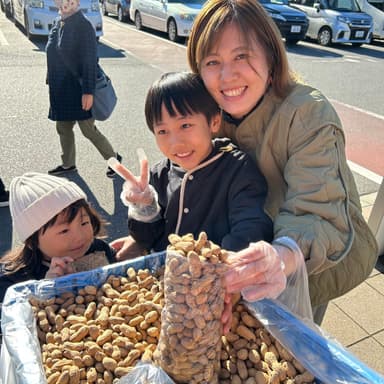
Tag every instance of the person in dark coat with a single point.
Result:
(203, 184)
(72, 70)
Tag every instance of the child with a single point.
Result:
(204, 184)
(53, 219)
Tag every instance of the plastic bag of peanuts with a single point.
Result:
(190, 337)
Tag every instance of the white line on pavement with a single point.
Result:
(365, 172)
(3, 40)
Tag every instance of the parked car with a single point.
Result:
(377, 16)
(336, 21)
(37, 16)
(119, 8)
(175, 17)
(292, 23)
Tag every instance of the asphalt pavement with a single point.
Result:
(28, 142)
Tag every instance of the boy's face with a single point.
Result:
(67, 239)
(185, 140)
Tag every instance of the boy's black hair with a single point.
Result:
(181, 93)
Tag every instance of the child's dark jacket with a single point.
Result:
(224, 196)
(40, 271)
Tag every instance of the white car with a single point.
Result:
(175, 17)
(37, 16)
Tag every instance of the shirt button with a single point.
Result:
(190, 177)
(186, 210)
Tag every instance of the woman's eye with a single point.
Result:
(210, 63)
(63, 232)
(160, 132)
(242, 56)
(186, 125)
(85, 222)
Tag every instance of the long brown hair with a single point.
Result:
(29, 256)
(254, 24)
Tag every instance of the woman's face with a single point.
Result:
(236, 75)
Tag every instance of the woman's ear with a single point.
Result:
(215, 123)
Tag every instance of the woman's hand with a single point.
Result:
(60, 266)
(86, 102)
(257, 272)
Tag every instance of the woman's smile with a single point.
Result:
(234, 91)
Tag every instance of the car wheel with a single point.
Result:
(120, 15)
(9, 10)
(26, 27)
(104, 7)
(324, 36)
(138, 22)
(172, 31)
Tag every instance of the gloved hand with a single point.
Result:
(257, 272)
(137, 194)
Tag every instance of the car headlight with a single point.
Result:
(187, 16)
(344, 19)
(36, 3)
(276, 16)
(95, 7)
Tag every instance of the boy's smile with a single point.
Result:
(185, 140)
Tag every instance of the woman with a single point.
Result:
(296, 138)
(71, 56)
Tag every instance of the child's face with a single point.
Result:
(185, 140)
(236, 75)
(67, 239)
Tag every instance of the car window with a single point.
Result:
(343, 5)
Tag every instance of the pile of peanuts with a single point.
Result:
(250, 355)
(99, 334)
(190, 338)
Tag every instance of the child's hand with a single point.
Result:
(137, 193)
(60, 266)
(136, 189)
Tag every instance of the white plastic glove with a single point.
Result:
(137, 194)
(257, 272)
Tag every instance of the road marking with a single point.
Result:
(365, 172)
(3, 40)
(358, 109)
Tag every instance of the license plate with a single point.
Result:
(295, 28)
(359, 33)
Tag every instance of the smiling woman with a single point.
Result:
(295, 136)
(175, 17)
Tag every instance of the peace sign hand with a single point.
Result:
(137, 193)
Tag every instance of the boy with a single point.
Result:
(203, 184)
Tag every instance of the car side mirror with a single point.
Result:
(317, 6)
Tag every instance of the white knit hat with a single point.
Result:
(35, 198)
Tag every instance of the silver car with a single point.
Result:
(37, 16)
(175, 17)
